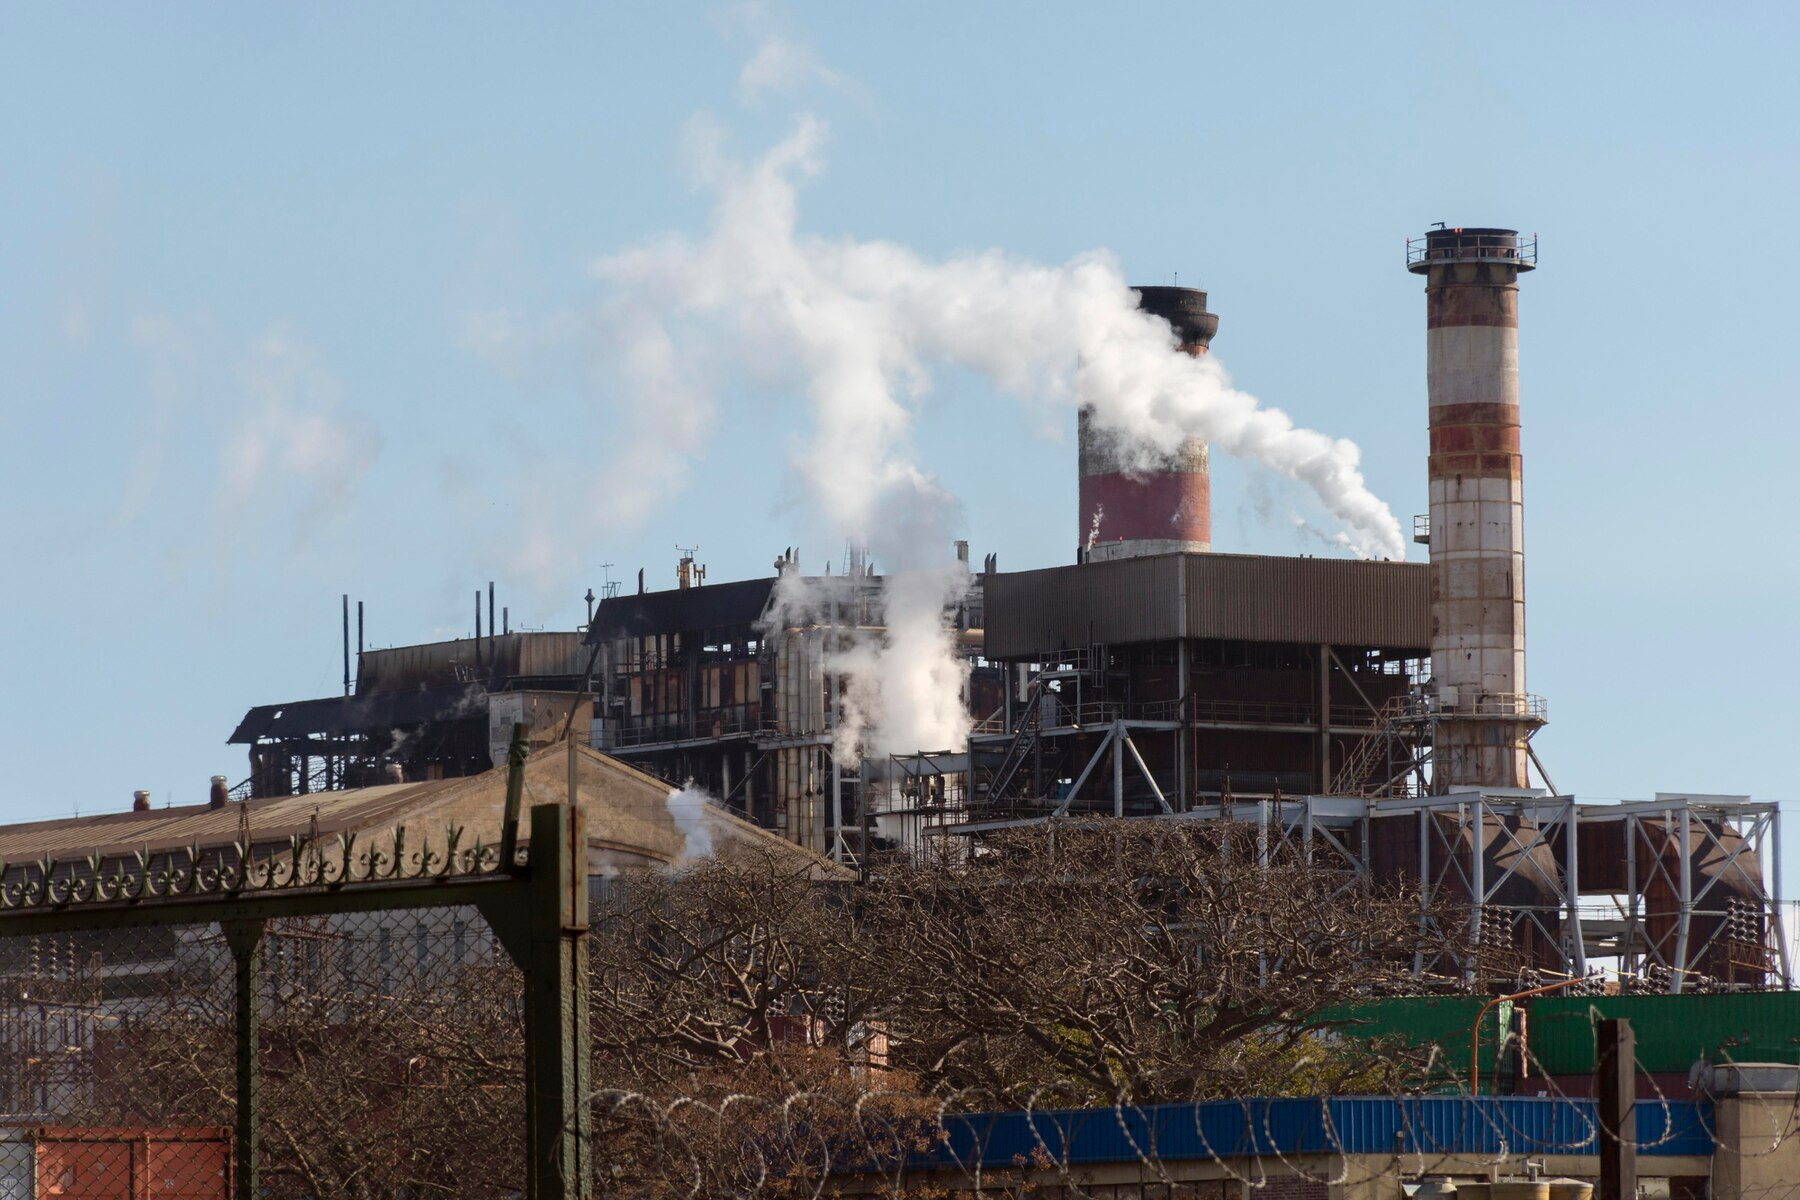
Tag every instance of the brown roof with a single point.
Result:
(629, 822)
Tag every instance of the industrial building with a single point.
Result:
(1374, 716)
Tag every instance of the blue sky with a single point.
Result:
(254, 259)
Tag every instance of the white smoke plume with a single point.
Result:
(861, 324)
(865, 320)
(687, 807)
(903, 680)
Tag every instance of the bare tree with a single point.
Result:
(1119, 962)
(1140, 963)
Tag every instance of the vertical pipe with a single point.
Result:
(1577, 939)
(359, 641)
(491, 626)
(1424, 886)
(478, 628)
(505, 619)
(573, 787)
(515, 798)
(1324, 717)
(836, 811)
(346, 643)
(1632, 960)
(1184, 735)
(1118, 769)
(1477, 874)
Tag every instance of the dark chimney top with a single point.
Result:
(219, 793)
(140, 801)
(1184, 309)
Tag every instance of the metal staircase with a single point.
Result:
(1374, 753)
(1024, 741)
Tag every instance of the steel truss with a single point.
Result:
(1508, 862)
(1475, 848)
(1732, 838)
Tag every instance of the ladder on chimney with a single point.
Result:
(1371, 752)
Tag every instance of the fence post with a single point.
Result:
(1615, 1086)
(558, 1122)
(245, 939)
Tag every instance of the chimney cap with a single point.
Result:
(140, 800)
(1183, 308)
(1470, 243)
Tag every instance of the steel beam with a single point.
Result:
(557, 1045)
(245, 939)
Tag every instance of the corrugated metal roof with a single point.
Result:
(1235, 597)
(629, 821)
(1488, 1125)
(710, 606)
(360, 713)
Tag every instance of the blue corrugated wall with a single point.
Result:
(1486, 1125)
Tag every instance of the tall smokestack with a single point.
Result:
(1477, 533)
(1169, 507)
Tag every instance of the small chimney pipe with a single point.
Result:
(492, 628)
(346, 643)
(140, 801)
(220, 795)
(478, 627)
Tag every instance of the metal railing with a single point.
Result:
(1474, 247)
(629, 732)
(1490, 704)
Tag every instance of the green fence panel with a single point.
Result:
(1672, 1031)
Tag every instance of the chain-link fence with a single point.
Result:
(1118, 1020)
(389, 1056)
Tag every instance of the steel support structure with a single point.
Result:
(1736, 838)
(1473, 845)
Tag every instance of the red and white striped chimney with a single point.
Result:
(1168, 508)
(1477, 532)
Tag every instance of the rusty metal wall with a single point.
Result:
(1234, 597)
(1344, 602)
(431, 664)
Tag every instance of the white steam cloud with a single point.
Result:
(687, 807)
(903, 680)
(865, 320)
(861, 325)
